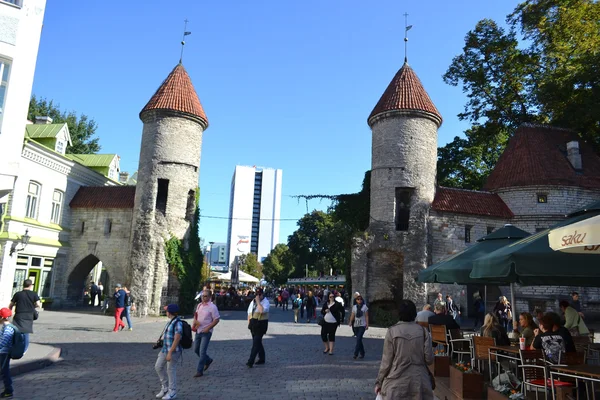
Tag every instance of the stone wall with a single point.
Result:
(111, 245)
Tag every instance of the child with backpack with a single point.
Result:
(7, 333)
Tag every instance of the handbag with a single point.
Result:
(320, 320)
(36, 314)
(574, 331)
(252, 323)
(431, 377)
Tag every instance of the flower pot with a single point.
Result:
(440, 366)
(466, 385)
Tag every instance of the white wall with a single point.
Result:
(270, 210)
(20, 30)
(241, 212)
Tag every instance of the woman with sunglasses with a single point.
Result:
(359, 322)
(333, 314)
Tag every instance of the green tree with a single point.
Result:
(82, 128)
(278, 264)
(250, 265)
(553, 77)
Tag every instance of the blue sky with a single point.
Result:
(284, 84)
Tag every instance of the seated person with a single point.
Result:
(527, 327)
(423, 315)
(553, 338)
(441, 318)
(492, 328)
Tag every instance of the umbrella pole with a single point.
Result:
(513, 305)
(484, 300)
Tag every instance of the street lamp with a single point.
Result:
(24, 241)
(209, 254)
(310, 251)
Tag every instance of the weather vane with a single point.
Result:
(406, 29)
(185, 33)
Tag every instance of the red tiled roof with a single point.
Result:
(405, 92)
(537, 155)
(104, 197)
(177, 93)
(473, 202)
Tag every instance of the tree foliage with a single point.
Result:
(250, 265)
(82, 128)
(278, 265)
(553, 76)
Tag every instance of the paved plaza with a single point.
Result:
(99, 364)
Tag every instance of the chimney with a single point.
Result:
(573, 154)
(123, 177)
(43, 120)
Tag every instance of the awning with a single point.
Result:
(580, 237)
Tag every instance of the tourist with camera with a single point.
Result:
(170, 354)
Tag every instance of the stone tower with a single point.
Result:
(165, 196)
(387, 258)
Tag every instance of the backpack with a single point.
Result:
(186, 336)
(18, 345)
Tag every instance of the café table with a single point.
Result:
(507, 352)
(585, 372)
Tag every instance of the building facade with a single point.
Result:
(544, 174)
(217, 257)
(254, 212)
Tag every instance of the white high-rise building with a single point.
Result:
(254, 211)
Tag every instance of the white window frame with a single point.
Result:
(55, 215)
(60, 147)
(32, 201)
(4, 64)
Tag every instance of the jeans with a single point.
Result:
(257, 349)
(201, 341)
(5, 364)
(118, 321)
(309, 313)
(359, 348)
(26, 336)
(127, 314)
(295, 314)
(167, 370)
(285, 304)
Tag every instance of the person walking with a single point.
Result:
(407, 351)
(573, 321)
(119, 306)
(258, 323)
(100, 291)
(479, 307)
(129, 306)
(359, 322)
(25, 303)
(7, 333)
(452, 309)
(301, 305)
(94, 292)
(310, 303)
(576, 304)
(296, 306)
(206, 318)
(170, 354)
(333, 315)
(285, 296)
(503, 312)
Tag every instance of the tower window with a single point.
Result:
(107, 226)
(542, 198)
(82, 227)
(403, 197)
(162, 195)
(191, 205)
(468, 233)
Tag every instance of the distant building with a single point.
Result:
(254, 211)
(217, 257)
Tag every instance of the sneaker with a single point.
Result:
(170, 395)
(130, 329)
(163, 391)
(208, 364)
(5, 395)
(260, 362)
(249, 364)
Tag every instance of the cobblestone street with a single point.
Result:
(100, 364)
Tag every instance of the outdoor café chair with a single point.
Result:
(481, 345)
(459, 344)
(439, 336)
(536, 375)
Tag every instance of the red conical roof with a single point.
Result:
(177, 93)
(405, 92)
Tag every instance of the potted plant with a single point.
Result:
(441, 364)
(465, 382)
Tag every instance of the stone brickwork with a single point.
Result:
(105, 235)
(170, 153)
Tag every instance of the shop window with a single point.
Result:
(402, 215)
(33, 194)
(45, 283)
(107, 226)
(57, 198)
(162, 195)
(542, 198)
(468, 233)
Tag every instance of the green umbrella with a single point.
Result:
(457, 268)
(531, 261)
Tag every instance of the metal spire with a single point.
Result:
(406, 29)
(185, 33)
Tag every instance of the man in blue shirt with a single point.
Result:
(119, 296)
(6, 340)
(170, 354)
